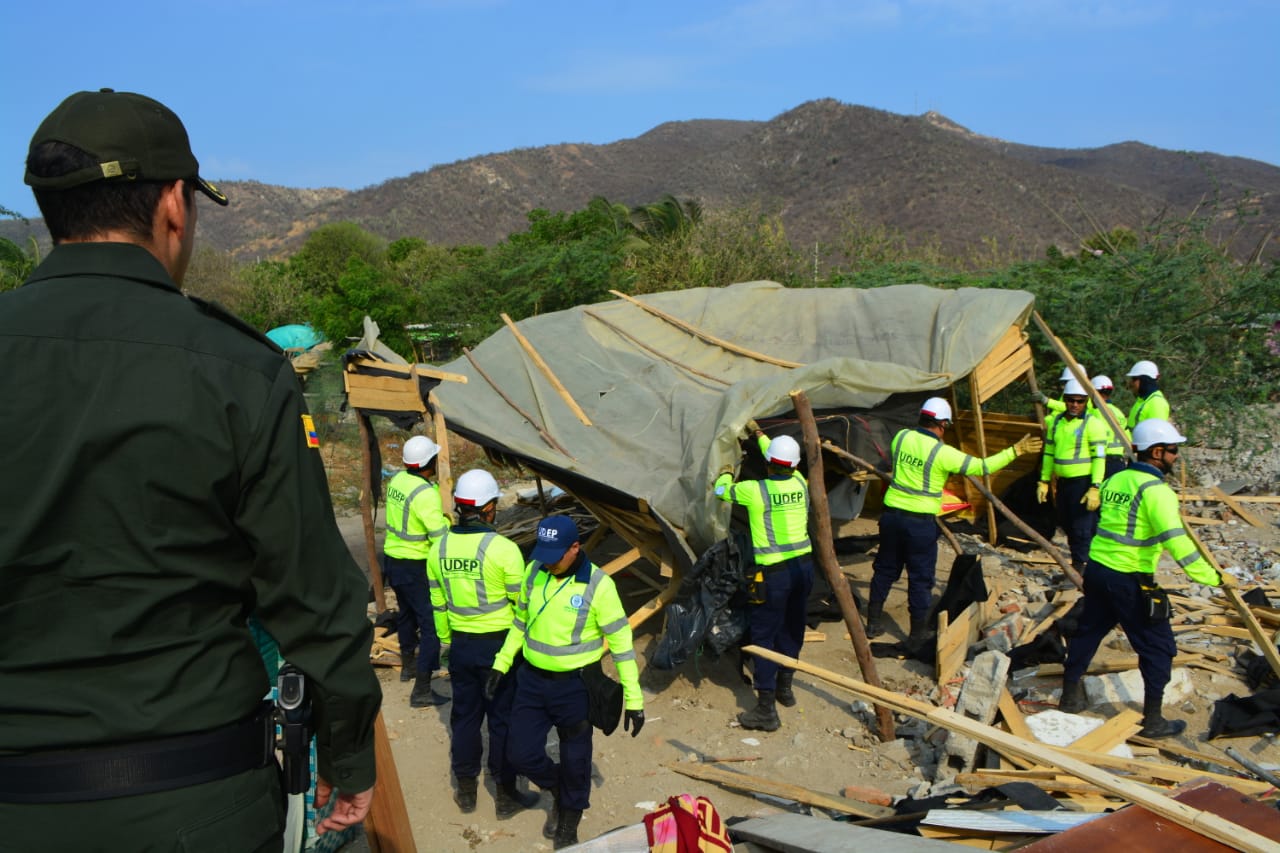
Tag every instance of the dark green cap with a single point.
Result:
(132, 137)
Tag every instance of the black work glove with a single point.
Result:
(387, 621)
(634, 720)
(491, 684)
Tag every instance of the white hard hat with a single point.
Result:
(784, 450)
(1073, 388)
(476, 488)
(1155, 431)
(936, 408)
(419, 451)
(1102, 382)
(1067, 374)
(1144, 368)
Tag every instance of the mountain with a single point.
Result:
(815, 166)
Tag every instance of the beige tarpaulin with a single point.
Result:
(667, 386)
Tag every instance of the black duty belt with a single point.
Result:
(911, 513)
(144, 767)
(481, 635)
(554, 675)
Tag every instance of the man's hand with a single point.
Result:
(1042, 492)
(1029, 443)
(1092, 499)
(491, 684)
(752, 427)
(1227, 581)
(348, 809)
(634, 720)
(1039, 397)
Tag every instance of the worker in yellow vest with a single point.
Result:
(780, 581)
(1053, 406)
(912, 502)
(474, 575)
(1140, 518)
(415, 519)
(1075, 452)
(1117, 445)
(1148, 400)
(567, 608)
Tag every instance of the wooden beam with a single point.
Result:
(1113, 732)
(758, 784)
(825, 552)
(982, 452)
(547, 372)
(444, 470)
(551, 442)
(387, 825)
(1204, 823)
(1239, 510)
(680, 364)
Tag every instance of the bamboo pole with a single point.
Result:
(547, 372)
(366, 512)
(1201, 822)
(709, 338)
(824, 550)
(982, 452)
(551, 442)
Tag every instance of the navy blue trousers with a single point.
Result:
(778, 624)
(1112, 598)
(470, 659)
(907, 540)
(541, 703)
(1077, 522)
(415, 626)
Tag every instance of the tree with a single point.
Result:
(324, 257)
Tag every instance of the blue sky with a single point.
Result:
(348, 94)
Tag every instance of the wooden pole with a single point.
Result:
(982, 451)
(387, 824)
(824, 550)
(1098, 403)
(551, 442)
(709, 338)
(444, 470)
(366, 511)
(1201, 822)
(1048, 546)
(547, 372)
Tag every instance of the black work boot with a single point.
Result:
(423, 696)
(511, 800)
(1154, 725)
(408, 665)
(875, 618)
(566, 834)
(553, 815)
(764, 716)
(919, 633)
(465, 796)
(786, 698)
(1073, 700)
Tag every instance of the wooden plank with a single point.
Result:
(621, 561)
(1239, 510)
(1251, 622)
(774, 788)
(1119, 663)
(1115, 731)
(546, 371)
(387, 825)
(955, 644)
(386, 401)
(444, 466)
(1203, 823)
(1058, 784)
(1261, 499)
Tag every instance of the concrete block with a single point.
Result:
(1125, 688)
(979, 697)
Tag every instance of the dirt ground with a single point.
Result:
(824, 743)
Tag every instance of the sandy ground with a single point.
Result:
(823, 744)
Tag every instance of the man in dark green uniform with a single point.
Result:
(164, 484)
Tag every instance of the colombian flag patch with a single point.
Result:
(309, 431)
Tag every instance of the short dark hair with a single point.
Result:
(95, 207)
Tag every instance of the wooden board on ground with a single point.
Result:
(953, 644)
(1110, 734)
(746, 782)
(794, 833)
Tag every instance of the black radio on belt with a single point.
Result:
(293, 713)
(1156, 602)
